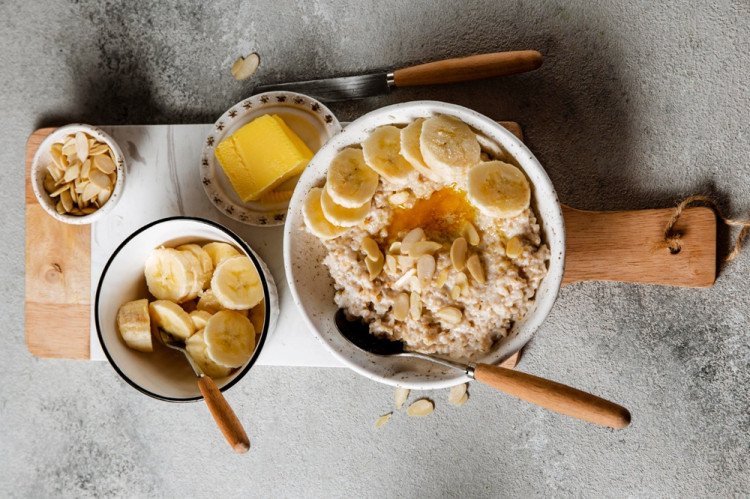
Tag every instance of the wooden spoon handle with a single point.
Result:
(554, 396)
(225, 417)
(475, 67)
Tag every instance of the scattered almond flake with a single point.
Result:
(391, 264)
(382, 420)
(421, 408)
(401, 307)
(441, 278)
(395, 248)
(457, 393)
(420, 248)
(244, 67)
(514, 248)
(414, 235)
(455, 292)
(470, 234)
(415, 285)
(458, 253)
(370, 248)
(405, 262)
(398, 198)
(415, 305)
(400, 396)
(451, 315)
(374, 267)
(425, 269)
(404, 279)
(475, 268)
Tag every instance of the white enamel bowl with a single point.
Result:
(165, 374)
(312, 287)
(42, 158)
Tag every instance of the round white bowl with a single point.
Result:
(165, 374)
(312, 288)
(42, 159)
(313, 122)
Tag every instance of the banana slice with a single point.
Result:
(169, 274)
(315, 220)
(350, 182)
(196, 272)
(340, 215)
(236, 283)
(448, 146)
(205, 261)
(196, 347)
(134, 325)
(410, 149)
(382, 152)
(498, 189)
(199, 318)
(209, 303)
(219, 252)
(170, 317)
(230, 338)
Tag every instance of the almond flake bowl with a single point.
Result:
(312, 288)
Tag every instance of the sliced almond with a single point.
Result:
(69, 147)
(99, 178)
(442, 277)
(55, 172)
(88, 210)
(82, 146)
(96, 150)
(391, 264)
(371, 249)
(470, 233)
(415, 285)
(395, 248)
(457, 394)
(420, 248)
(400, 396)
(374, 267)
(451, 315)
(86, 169)
(414, 235)
(103, 196)
(475, 268)
(514, 248)
(244, 67)
(382, 420)
(458, 253)
(404, 279)
(104, 163)
(405, 262)
(455, 292)
(73, 193)
(398, 198)
(58, 191)
(90, 192)
(48, 183)
(421, 408)
(72, 172)
(415, 305)
(425, 269)
(60, 208)
(66, 200)
(400, 308)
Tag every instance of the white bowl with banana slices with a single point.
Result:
(437, 227)
(198, 282)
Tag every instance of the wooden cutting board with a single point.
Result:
(600, 246)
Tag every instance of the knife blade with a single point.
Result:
(475, 67)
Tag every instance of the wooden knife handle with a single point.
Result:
(225, 417)
(475, 67)
(554, 396)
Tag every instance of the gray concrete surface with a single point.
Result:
(638, 105)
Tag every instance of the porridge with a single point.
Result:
(429, 239)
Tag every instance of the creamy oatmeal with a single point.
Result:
(444, 255)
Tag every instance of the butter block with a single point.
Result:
(261, 155)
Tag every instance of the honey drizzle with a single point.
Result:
(440, 216)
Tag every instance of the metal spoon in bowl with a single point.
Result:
(223, 414)
(543, 392)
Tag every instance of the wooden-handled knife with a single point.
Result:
(475, 67)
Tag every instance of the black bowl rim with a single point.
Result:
(266, 296)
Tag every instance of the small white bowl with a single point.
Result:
(42, 159)
(165, 374)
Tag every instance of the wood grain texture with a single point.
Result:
(58, 278)
(628, 246)
(475, 67)
(224, 415)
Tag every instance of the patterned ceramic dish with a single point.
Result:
(312, 287)
(308, 118)
(42, 158)
(165, 374)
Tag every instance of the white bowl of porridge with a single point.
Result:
(437, 227)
